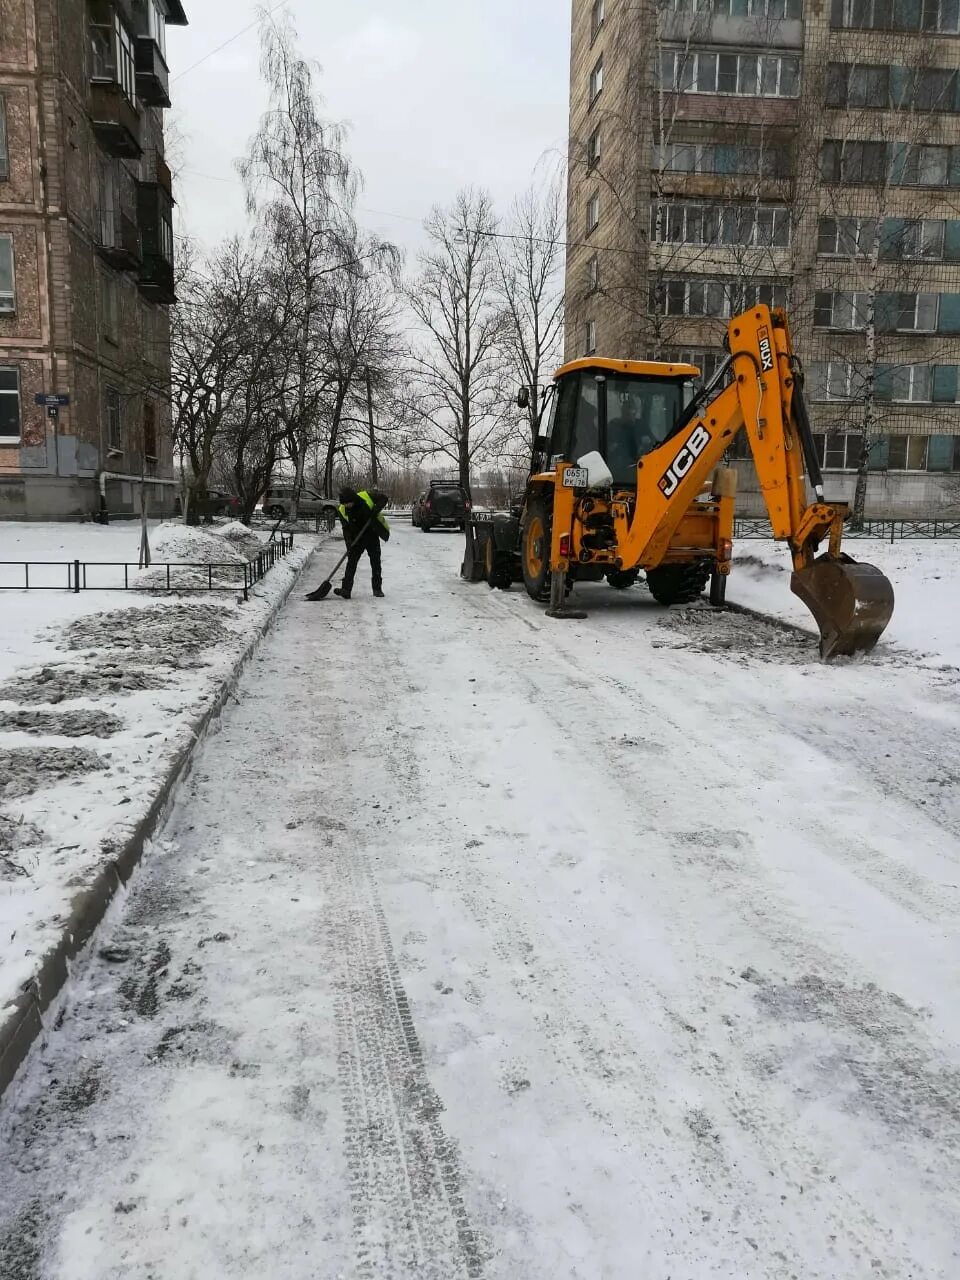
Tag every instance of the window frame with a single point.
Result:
(110, 300)
(597, 18)
(113, 408)
(593, 212)
(149, 407)
(4, 141)
(596, 80)
(8, 440)
(594, 151)
(688, 74)
(590, 338)
(7, 239)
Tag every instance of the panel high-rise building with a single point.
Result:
(803, 153)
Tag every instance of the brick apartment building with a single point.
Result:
(86, 256)
(805, 153)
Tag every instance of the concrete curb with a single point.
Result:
(25, 1025)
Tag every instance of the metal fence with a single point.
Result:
(888, 530)
(119, 575)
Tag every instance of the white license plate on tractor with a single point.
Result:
(576, 478)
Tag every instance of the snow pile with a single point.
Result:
(26, 768)
(218, 555)
(242, 538)
(171, 635)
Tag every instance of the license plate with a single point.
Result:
(482, 517)
(576, 478)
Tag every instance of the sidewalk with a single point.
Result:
(102, 696)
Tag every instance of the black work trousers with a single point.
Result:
(370, 544)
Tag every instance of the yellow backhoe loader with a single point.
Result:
(627, 478)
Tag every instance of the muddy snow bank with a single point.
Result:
(98, 698)
(926, 585)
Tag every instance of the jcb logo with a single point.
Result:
(697, 441)
(766, 352)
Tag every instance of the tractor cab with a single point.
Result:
(621, 409)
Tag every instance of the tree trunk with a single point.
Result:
(374, 478)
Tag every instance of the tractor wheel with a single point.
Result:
(678, 583)
(620, 579)
(496, 567)
(536, 550)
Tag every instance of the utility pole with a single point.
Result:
(373, 442)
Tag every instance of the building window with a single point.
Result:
(708, 362)
(596, 80)
(4, 149)
(841, 309)
(114, 421)
(722, 158)
(774, 9)
(150, 431)
(907, 312)
(593, 212)
(744, 74)
(902, 164)
(593, 148)
(907, 453)
(593, 274)
(8, 284)
(896, 15)
(590, 338)
(596, 18)
(718, 298)
(111, 308)
(701, 223)
(9, 404)
(113, 57)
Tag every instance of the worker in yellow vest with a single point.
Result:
(364, 528)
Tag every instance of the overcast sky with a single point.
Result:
(436, 94)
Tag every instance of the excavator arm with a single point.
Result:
(850, 601)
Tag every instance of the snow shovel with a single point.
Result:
(324, 588)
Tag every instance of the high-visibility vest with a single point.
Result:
(369, 501)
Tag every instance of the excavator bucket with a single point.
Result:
(851, 602)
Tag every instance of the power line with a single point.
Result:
(220, 47)
(493, 235)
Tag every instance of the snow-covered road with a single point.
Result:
(485, 945)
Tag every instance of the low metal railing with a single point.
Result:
(889, 530)
(175, 575)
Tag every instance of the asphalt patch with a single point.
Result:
(739, 637)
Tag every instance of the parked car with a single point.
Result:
(444, 505)
(216, 503)
(278, 503)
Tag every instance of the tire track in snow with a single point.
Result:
(409, 1214)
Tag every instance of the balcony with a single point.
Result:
(155, 212)
(153, 78)
(118, 240)
(155, 281)
(115, 121)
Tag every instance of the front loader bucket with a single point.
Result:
(851, 602)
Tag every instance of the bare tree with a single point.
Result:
(530, 285)
(300, 184)
(457, 404)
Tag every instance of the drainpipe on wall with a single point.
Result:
(103, 516)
